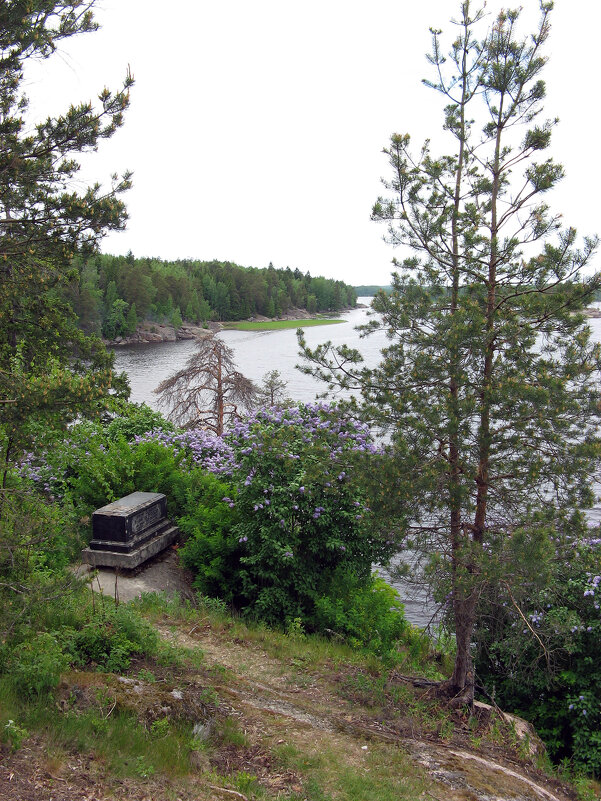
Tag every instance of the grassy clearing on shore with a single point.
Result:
(277, 325)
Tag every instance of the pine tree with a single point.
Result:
(131, 321)
(487, 386)
(272, 391)
(48, 368)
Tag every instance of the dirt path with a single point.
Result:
(281, 699)
(302, 737)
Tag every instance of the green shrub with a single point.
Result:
(35, 533)
(36, 665)
(367, 615)
(211, 550)
(134, 420)
(38, 539)
(302, 519)
(160, 728)
(543, 662)
(14, 734)
(78, 632)
(291, 519)
(110, 638)
(94, 466)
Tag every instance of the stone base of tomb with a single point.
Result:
(134, 558)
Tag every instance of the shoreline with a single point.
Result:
(149, 332)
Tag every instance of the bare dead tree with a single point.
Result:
(209, 391)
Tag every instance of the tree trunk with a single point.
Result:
(219, 396)
(461, 684)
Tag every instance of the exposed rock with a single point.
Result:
(480, 778)
(148, 701)
(147, 332)
(524, 731)
(189, 331)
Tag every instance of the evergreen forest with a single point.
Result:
(111, 294)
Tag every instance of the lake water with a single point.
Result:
(258, 352)
(255, 353)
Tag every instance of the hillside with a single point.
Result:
(245, 713)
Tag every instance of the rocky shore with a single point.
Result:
(149, 331)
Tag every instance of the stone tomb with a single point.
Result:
(129, 531)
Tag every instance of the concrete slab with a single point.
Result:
(162, 574)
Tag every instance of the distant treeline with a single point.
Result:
(369, 290)
(115, 292)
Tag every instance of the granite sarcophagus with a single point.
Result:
(129, 531)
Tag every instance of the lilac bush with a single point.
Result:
(204, 448)
(274, 511)
(302, 518)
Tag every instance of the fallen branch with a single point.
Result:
(225, 790)
(521, 614)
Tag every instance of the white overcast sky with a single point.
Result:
(256, 128)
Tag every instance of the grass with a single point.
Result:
(244, 744)
(117, 739)
(302, 655)
(371, 772)
(278, 325)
